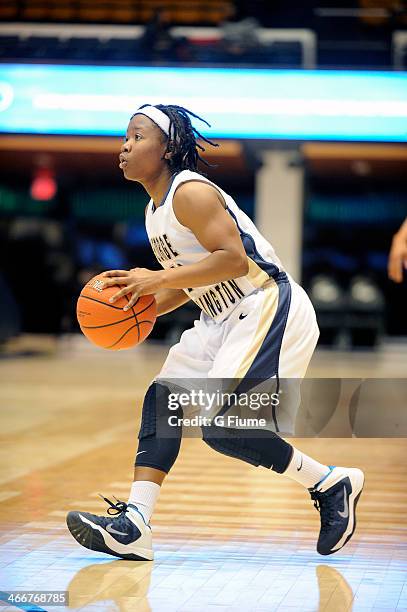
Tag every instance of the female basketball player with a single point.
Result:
(256, 323)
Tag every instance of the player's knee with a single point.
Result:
(263, 448)
(158, 443)
(228, 442)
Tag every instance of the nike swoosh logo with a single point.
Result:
(139, 453)
(298, 468)
(111, 529)
(345, 512)
(242, 316)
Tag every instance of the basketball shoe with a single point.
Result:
(126, 536)
(336, 497)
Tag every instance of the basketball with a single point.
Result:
(108, 325)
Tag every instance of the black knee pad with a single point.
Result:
(257, 447)
(158, 451)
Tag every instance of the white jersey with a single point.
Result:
(176, 245)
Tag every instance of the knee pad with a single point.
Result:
(157, 451)
(257, 447)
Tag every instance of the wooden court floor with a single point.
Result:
(227, 536)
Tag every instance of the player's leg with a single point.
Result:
(334, 490)
(283, 344)
(126, 532)
(336, 493)
(157, 450)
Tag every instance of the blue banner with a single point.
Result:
(249, 103)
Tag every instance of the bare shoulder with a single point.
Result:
(196, 203)
(197, 194)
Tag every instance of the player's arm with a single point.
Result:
(199, 207)
(169, 300)
(398, 254)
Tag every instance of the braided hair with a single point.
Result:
(182, 142)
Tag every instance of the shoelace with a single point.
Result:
(326, 508)
(118, 508)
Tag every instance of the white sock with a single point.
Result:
(305, 470)
(144, 495)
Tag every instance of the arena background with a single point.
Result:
(329, 193)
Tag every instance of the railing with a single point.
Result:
(399, 50)
(306, 38)
(266, 36)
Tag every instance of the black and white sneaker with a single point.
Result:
(126, 536)
(336, 497)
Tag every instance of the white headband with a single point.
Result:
(157, 116)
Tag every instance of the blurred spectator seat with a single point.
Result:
(358, 35)
(383, 12)
(115, 11)
(7, 45)
(10, 322)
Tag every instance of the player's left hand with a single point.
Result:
(137, 281)
(398, 257)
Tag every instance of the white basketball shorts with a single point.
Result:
(270, 336)
(272, 332)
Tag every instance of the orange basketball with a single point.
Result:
(108, 325)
